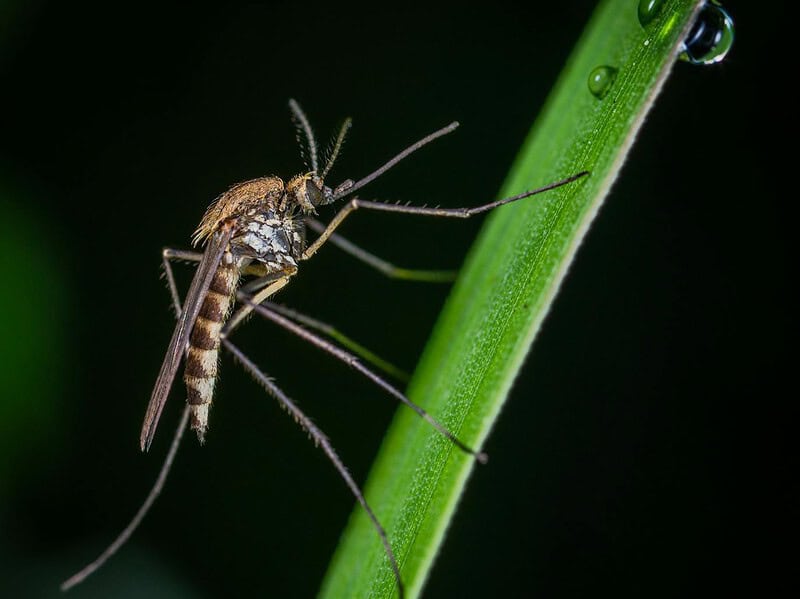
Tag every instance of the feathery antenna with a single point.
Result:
(301, 122)
(337, 147)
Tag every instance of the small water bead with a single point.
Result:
(711, 36)
(600, 80)
(648, 10)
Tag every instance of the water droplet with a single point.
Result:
(600, 80)
(711, 36)
(648, 10)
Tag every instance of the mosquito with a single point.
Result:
(254, 236)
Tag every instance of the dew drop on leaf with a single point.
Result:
(600, 80)
(648, 10)
(710, 37)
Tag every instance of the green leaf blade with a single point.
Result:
(503, 294)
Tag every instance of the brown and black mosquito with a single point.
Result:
(255, 238)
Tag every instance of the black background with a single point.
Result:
(627, 459)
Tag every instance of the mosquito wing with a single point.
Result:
(180, 337)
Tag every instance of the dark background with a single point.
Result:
(628, 458)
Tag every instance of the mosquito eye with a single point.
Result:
(313, 193)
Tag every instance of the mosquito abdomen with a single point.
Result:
(201, 361)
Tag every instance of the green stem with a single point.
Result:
(504, 292)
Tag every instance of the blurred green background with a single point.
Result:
(626, 459)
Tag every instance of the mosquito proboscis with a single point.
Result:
(257, 229)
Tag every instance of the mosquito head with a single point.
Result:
(308, 191)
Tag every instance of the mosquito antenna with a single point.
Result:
(336, 147)
(346, 189)
(302, 124)
(123, 537)
(322, 441)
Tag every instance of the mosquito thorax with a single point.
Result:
(267, 219)
(241, 200)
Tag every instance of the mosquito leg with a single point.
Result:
(386, 268)
(279, 281)
(356, 203)
(168, 255)
(262, 287)
(143, 510)
(174, 255)
(252, 287)
(353, 362)
(322, 441)
(340, 338)
(319, 437)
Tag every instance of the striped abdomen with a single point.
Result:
(201, 361)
